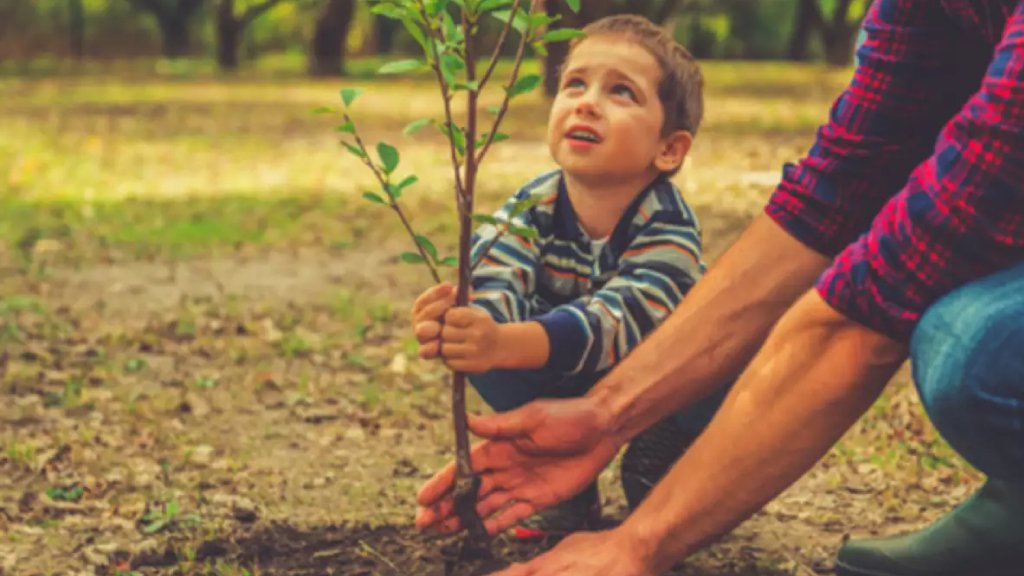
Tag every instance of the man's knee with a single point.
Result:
(968, 359)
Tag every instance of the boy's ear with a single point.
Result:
(674, 148)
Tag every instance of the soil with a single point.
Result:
(233, 416)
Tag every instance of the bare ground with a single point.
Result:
(265, 414)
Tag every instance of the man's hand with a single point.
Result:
(426, 315)
(533, 458)
(586, 554)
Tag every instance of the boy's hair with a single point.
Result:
(681, 89)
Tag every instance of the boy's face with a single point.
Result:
(605, 123)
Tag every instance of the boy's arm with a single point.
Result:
(654, 273)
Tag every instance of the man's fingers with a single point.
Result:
(509, 516)
(437, 487)
(438, 514)
(507, 425)
(493, 502)
(515, 570)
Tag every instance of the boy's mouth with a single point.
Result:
(583, 134)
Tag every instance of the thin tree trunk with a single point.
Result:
(799, 43)
(227, 36)
(77, 21)
(176, 40)
(327, 52)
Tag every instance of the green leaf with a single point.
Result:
(427, 246)
(523, 232)
(524, 205)
(388, 11)
(400, 66)
(525, 84)
(562, 34)
(388, 157)
(539, 48)
(451, 261)
(415, 125)
(349, 95)
(490, 5)
(412, 258)
(485, 219)
(498, 137)
(347, 127)
(324, 110)
(355, 150)
(450, 66)
(375, 198)
(474, 86)
(456, 136)
(416, 31)
(435, 7)
(154, 527)
(574, 5)
(408, 181)
(521, 24)
(495, 110)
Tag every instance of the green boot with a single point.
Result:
(984, 536)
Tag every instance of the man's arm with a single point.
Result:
(714, 332)
(784, 413)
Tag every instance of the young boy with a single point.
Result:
(615, 251)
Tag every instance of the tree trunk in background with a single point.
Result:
(227, 36)
(174, 29)
(839, 45)
(800, 42)
(327, 51)
(77, 28)
(590, 10)
(173, 17)
(384, 34)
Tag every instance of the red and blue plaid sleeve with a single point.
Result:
(961, 214)
(883, 125)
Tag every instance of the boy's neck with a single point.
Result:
(599, 206)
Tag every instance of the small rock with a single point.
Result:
(355, 434)
(399, 364)
(201, 455)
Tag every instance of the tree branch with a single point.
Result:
(497, 47)
(445, 96)
(504, 103)
(384, 184)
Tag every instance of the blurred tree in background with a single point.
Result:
(321, 33)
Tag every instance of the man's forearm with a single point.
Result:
(706, 342)
(784, 413)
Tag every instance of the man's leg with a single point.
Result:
(968, 360)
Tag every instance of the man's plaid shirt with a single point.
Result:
(916, 183)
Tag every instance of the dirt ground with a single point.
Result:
(269, 428)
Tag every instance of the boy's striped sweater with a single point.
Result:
(595, 308)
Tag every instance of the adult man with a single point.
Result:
(909, 214)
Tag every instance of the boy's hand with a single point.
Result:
(471, 340)
(427, 312)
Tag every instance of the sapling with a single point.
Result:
(447, 31)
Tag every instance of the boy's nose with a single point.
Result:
(587, 106)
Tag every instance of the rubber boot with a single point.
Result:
(984, 536)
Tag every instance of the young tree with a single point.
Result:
(76, 28)
(447, 32)
(231, 26)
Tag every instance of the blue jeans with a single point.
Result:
(504, 390)
(968, 360)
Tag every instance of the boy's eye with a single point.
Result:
(623, 90)
(574, 83)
